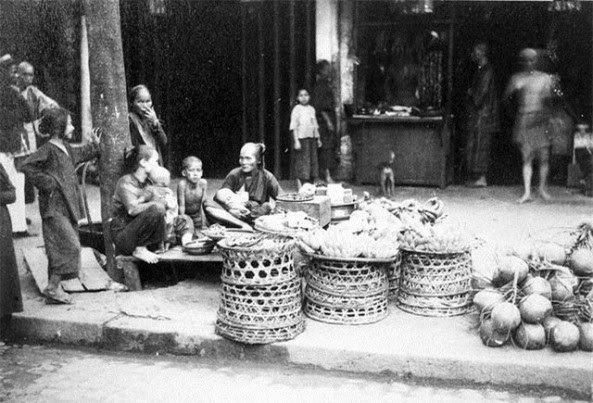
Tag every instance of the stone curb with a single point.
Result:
(152, 337)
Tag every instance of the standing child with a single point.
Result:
(305, 133)
(191, 190)
(51, 170)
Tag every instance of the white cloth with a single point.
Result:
(16, 209)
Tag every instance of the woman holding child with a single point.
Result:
(138, 220)
(246, 193)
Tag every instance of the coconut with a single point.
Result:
(565, 337)
(507, 267)
(537, 285)
(534, 308)
(487, 298)
(530, 336)
(551, 252)
(561, 288)
(549, 323)
(491, 337)
(586, 339)
(581, 262)
(505, 317)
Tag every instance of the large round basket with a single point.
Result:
(261, 306)
(435, 284)
(269, 261)
(347, 290)
(258, 336)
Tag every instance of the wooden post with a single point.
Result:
(244, 72)
(277, 139)
(292, 70)
(261, 74)
(110, 109)
(308, 44)
(86, 120)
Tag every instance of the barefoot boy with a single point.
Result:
(191, 191)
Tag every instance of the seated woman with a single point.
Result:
(139, 218)
(246, 193)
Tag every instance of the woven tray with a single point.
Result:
(347, 316)
(258, 336)
(441, 306)
(321, 297)
(433, 274)
(263, 263)
(261, 307)
(343, 277)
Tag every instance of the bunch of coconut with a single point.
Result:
(518, 307)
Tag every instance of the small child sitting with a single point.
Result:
(178, 226)
(191, 191)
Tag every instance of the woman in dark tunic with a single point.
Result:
(52, 170)
(145, 127)
(10, 288)
(323, 101)
(246, 192)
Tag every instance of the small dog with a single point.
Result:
(386, 179)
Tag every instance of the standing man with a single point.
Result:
(14, 113)
(37, 102)
(323, 101)
(483, 119)
(533, 89)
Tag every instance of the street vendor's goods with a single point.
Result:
(565, 337)
(286, 223)
(534, 308)
(581, 262)
(537, 285)
(561, 288)
(549, 323)
(586, 338)
(510, 267)
(550, 252)
(491, 337)
(530, 336)
(487, 299)
(505, 317)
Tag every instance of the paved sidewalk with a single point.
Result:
(180, 319)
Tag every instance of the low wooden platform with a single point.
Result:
(129, 264)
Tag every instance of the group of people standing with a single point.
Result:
(534, 92)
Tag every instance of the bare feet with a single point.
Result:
(56, 295)
(544, 195)
(525, 198)
(145, 255)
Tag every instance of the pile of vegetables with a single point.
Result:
(441, 237)
(540, 294)
(370, 233)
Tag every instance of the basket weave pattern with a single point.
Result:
(347, 278)
(346, 291)
(435, 284)
(394, 275)
(261, 297)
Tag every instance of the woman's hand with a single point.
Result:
(150, 115)
(319, 143)
(297, 144)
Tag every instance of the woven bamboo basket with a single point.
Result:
(261, 307)
(435, 284)
(258, 336)
(347, 291)
(267, 262)
(394, 275)
(351, 277)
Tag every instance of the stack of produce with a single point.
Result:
(261, 291)
(288, 223)
(436, 265)
(540, 294)
(347, 279)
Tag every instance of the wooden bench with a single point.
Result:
(129, 264)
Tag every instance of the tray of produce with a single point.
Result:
(294, 197)
(202, 246)
(289, 223)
